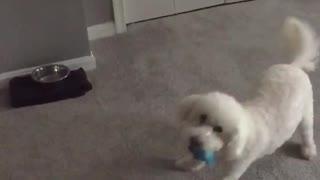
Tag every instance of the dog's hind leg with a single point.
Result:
(309, 149)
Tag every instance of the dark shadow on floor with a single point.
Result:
(4, 100)
(292, 149)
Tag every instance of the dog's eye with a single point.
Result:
(203, 119)
(217, 129)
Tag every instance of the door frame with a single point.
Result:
(119, 20)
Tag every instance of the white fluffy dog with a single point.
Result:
(247, 131)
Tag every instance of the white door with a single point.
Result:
(188, 5)
(138, 10)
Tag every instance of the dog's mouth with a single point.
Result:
(193, 148)
(194, 144)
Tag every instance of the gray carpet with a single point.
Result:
(125, 128)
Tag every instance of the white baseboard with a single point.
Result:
(101, 31)
(87, 63)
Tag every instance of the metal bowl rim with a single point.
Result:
(35, 78)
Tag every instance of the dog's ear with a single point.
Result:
(186, 105)
(237, 144)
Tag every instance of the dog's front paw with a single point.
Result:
(190, 165)
(230, 178)
(309, 152)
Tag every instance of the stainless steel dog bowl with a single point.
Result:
(50, 73)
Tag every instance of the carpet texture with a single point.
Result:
(125, 128)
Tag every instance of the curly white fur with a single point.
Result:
(259, 126)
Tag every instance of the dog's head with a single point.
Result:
(214, 121)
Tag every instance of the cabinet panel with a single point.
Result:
(188, 5)
(138, 10)
(231, 1)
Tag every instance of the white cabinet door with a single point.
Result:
(188, 5)
(138, 10)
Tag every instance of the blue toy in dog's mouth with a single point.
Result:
(203, 155)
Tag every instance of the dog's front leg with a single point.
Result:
(237, 168)
(188, 163)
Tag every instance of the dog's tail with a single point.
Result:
(304, 43)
